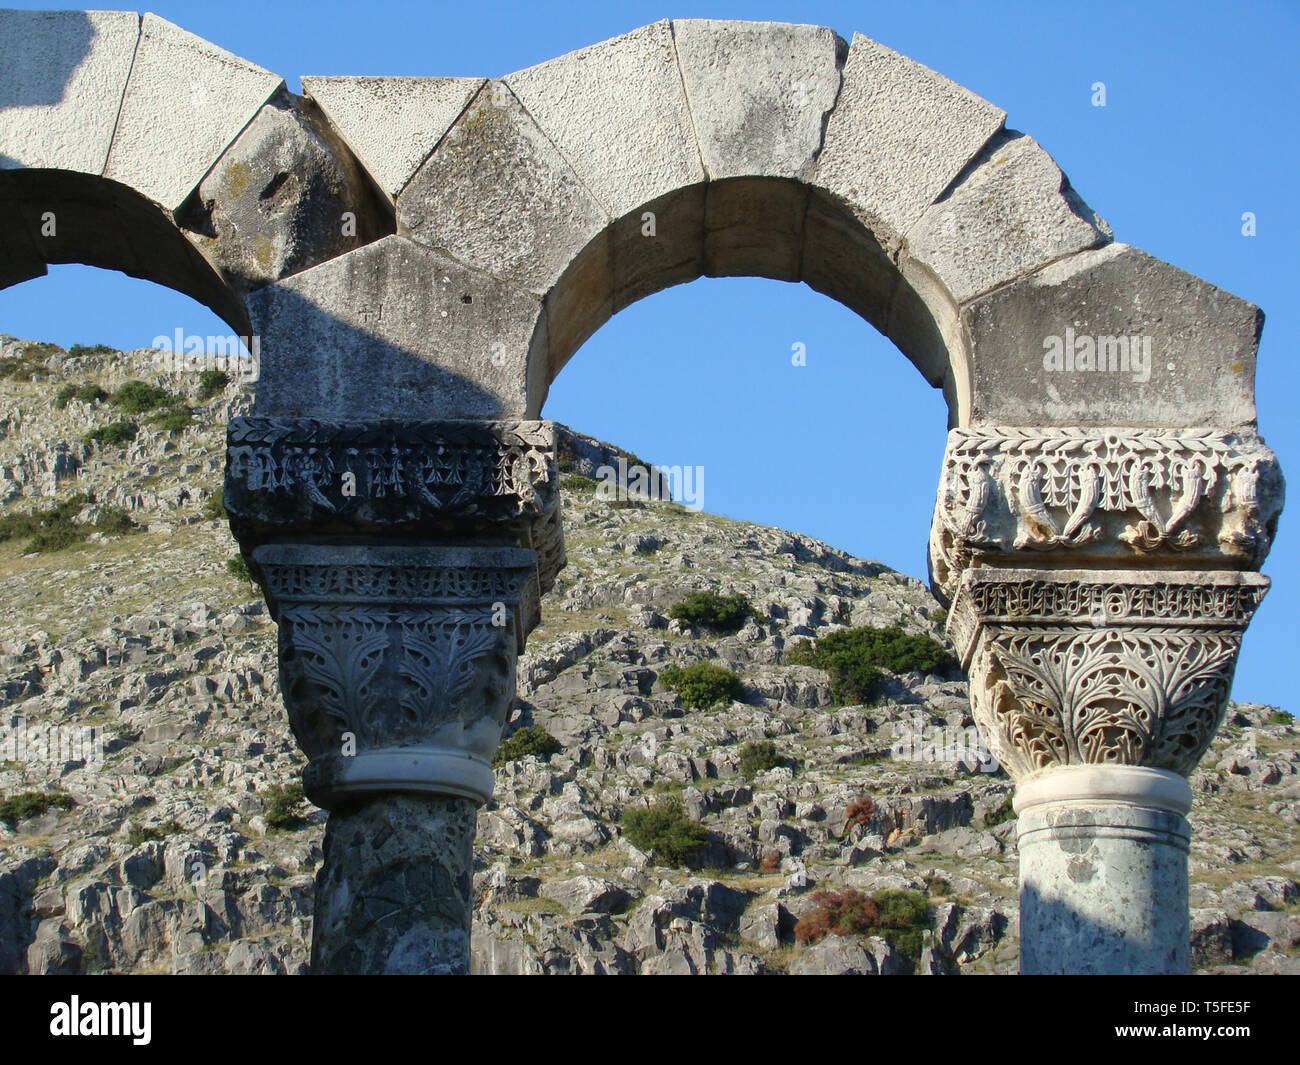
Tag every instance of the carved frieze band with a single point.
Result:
(1103, 493)
(1104, 667)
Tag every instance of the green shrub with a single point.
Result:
(32, 804)
(137, 397)
(238, 567)
(138, 834)
(57, 538)
(759, 757)
(665, 830)
(115, 434)
(63, 395)
(52, 529)
(577, 482)
(90, 392)
(531, 739)
(712, 611)
(283, 806)
(173, 419)
(113, 521)
(211, 383)
(1280, 717)
(703, 684)
(214, 507)
(854, 658)
(897, 915)
(1005, 812)
(93, 349)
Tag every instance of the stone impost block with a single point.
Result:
(1112, 337)
(617, 111)
(1012, 212)
(397, 664)
(1109, 496)
(899, 135)
(759, 93)
(1089, 667)
(1103, 871)
(392, 124)
(498, 196)
(62, 75)
(185, 102)
(394, 330)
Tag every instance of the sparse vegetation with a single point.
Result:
(1280, 717)
(30, 804)
(758, 758)
(712, 611)
(531, 739)
(283, 806)
(78, 350)
(897, 915)
(115, 434)
(54, 529)
(577, 482)
(87, 392)
(665, 830)
(173, 419)
(214, 507)
(211, 383)
(237, 567)
(1005, 812)
(139, 834)
(855, 658)
(703, 684)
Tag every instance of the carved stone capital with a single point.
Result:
(397, 664)
(433, 481)
(1103, 496)
(1100, 667)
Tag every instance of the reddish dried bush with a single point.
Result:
(770, 862)
(859, 813)
(840, 913)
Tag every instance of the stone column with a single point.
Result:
(403, 563)
(1100, 660)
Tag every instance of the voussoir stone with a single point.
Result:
(498, 196)
(759, 93)
(1202, 344)
(899, 135)
(392, 330)
(618, 113)
(392, 124)
(185, 102)
(61, 83)
(1011, 213)
(275, 202)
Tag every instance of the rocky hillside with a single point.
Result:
(187, 850)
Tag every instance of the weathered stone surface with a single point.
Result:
(61, 83)
(394, 894)
(185, 101)
(392, 124)
(498, 196)
(618, 113)
(285, 196)
(393, 330)
(1201, 343)
(759, 93)
(1011, 213)
(898, 136)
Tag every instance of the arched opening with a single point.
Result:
(737, 376)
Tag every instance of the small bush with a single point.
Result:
(93, 349)
(211, 383)
(214, 507)
(137, 397)
(115, 434)
(770, 862)
(665, 830)
(1005, 812)
(173, 419)
(113, 521)
(138, 834)
(860, 812)
(237, 567)
(577, 482)
(531, 739)
(1280, 717)
(703, 684)
(90, 392)
(52, 529)
(32, 804)
(712, 611)
(63, 395)
(898, 916)
(854, 659)
(283, 806)
(758, 758)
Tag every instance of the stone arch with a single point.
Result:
(1104, 503)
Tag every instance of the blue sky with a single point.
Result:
(1198, 127)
